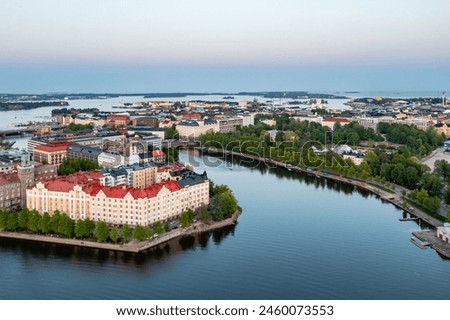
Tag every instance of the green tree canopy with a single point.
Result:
(127, 232)
(139, 233)
(101, 231)
(70, 166)
(114, 234)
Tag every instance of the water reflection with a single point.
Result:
(309, 179)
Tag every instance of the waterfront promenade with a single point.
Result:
(132, 246)
(394, 197)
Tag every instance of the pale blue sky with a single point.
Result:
(207, 45)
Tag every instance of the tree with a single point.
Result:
(405, 204)
(101, 231)
(186, 218)
(433, 204)
(44, 223)
(171, 133)
(225, 203)
(127, 232)
(55, 221)
(419, 196)
(204, 214)
(447, 195)
(12, 221)
(433, 183)
(33, 221)
(24, 216)
(3, 219)
(84, 228)
(139, 233)
(114, 234)
(70, 166)
(166, 227)
(66, 226)
(158, 228)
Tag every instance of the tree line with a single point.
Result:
(295, 140)
(61, 224)
(223, 205)
(70, 166)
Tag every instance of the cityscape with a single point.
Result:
(248, 151)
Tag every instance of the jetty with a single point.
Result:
(430, 238)
(408, 219)
(421, 244)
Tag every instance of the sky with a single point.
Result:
(133, 46)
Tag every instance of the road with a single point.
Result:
(437, 154)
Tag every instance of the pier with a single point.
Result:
(408, 219)
(430, 237)
(421, 244)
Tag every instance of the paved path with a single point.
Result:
(437, 154)
(132, 246)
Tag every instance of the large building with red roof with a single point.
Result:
(52, 152)
(82, 196)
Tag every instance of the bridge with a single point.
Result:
(179, 143)
(18, 131)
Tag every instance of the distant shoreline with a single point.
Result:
(130, 247)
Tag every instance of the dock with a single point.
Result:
(408, 219)
(421, 244)
(430, 237)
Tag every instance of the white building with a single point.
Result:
(443, 233)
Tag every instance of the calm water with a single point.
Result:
(298, 238)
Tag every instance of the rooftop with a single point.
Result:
(54, 146)
(7, 178)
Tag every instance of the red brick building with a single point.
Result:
(118, 120)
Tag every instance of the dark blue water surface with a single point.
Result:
(299, 237)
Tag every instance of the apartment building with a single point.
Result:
(82, 196)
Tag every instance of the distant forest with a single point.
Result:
(7, 106)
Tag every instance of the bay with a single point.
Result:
(299, 237)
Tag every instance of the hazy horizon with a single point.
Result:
(230, 46)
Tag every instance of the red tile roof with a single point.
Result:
(157, 153)
(341, 120)
(193, 115)
(54, 146)
(59, 185)
(7, 178)
(90, 183)
(66, 183)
